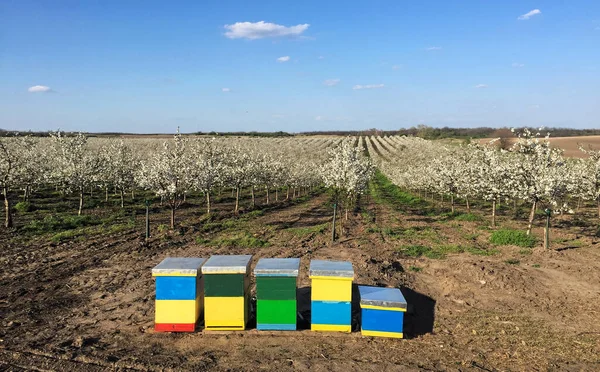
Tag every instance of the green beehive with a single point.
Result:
(276, 293)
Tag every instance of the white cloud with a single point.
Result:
(226, 90)
(331, 82)
(530, 14)
(396, 67)
(262, 29)
(369, 86)
(480, 86)
(433, 48)
(518, 65)
(39, 89)
(283, 59)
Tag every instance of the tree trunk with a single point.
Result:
(468, 205)
(237, 200)
(253, 198)
(267, 187)
(122, 198)
(276, 195)
(8, 222)
(346, 213)
(599, 207)
(184, 196)
(80, 201)
(287, 195)
(172, 217)
(208, 203)
(531, 217)
(132, 194)
(515, 208)
(106, 194)
(232, 191)
(452, 202)
(494, 213)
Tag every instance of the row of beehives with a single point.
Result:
(220, 288)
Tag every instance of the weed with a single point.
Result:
(481, 251)
(24, 207)
(512, 261)
(438, 252)
(54, 224)
(512, 237)
(303, 231)
(66, 235)
(535, 265)
(242, 239)
(415, 269)
(468, 217)
(471, 236)
(162, 228)
(525, 252)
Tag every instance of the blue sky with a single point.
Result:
(150, 66)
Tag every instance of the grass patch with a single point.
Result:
(303, 231)
(481, 252)
(513, 261)
(512, 237)
(471, 236)
(434, 252)
(23, 207)
(470, 217)
(536, 266)
(64, 236)
(384, 191)
(525, 252)
(426, 233)
(416, 269)
(54, 224)
(240, 239)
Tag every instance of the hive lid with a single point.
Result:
(277, 267)
(340, 269)
(382, 297)
(178, 266)
(227, 264)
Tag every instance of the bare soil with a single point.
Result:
(570, 145)
(88, 304)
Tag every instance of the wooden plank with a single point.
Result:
(226, 285)
(331, 290)
(276, 288)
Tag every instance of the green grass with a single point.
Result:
(536, 266)
(481, 252)
(384, 191)
(240, 239)
(468, 217)
(440, 251)
(525, 252)
(303, 231)
(64, 236)
(23, 207)
(416, 269)
(512, 261)
(54, 224)
(512, 237)
(471, 236)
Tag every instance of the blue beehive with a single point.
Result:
(382, 311)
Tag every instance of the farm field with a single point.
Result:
(570, 145)
(76, 292)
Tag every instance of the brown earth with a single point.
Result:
(88, 304)
(570, 145)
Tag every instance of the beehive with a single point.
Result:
(276, 293)
(226, 292)
(331, 295)
(382, 311)
(179, 293)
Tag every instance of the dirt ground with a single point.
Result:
(570, 145)
(88, 304)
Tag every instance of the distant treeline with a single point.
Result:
(422, 131)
